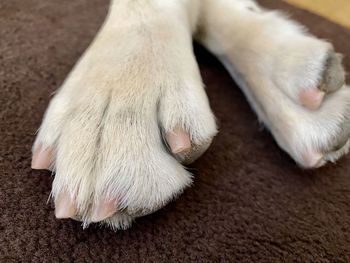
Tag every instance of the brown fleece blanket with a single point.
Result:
(249, 201)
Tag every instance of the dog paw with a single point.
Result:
(298, 91)
(117, 130)
(313, 123)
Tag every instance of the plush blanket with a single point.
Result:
(249, 201)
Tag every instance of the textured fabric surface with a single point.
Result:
(249, 201)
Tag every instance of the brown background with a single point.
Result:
(249, 203)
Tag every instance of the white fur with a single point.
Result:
(273, 59)
(139, 79)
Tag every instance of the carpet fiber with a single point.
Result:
(249, 202)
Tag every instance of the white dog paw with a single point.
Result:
(294, 81)
(298, 91)
(103, 132)
(107, 148)
(310, 114)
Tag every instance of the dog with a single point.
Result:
(134, 108)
